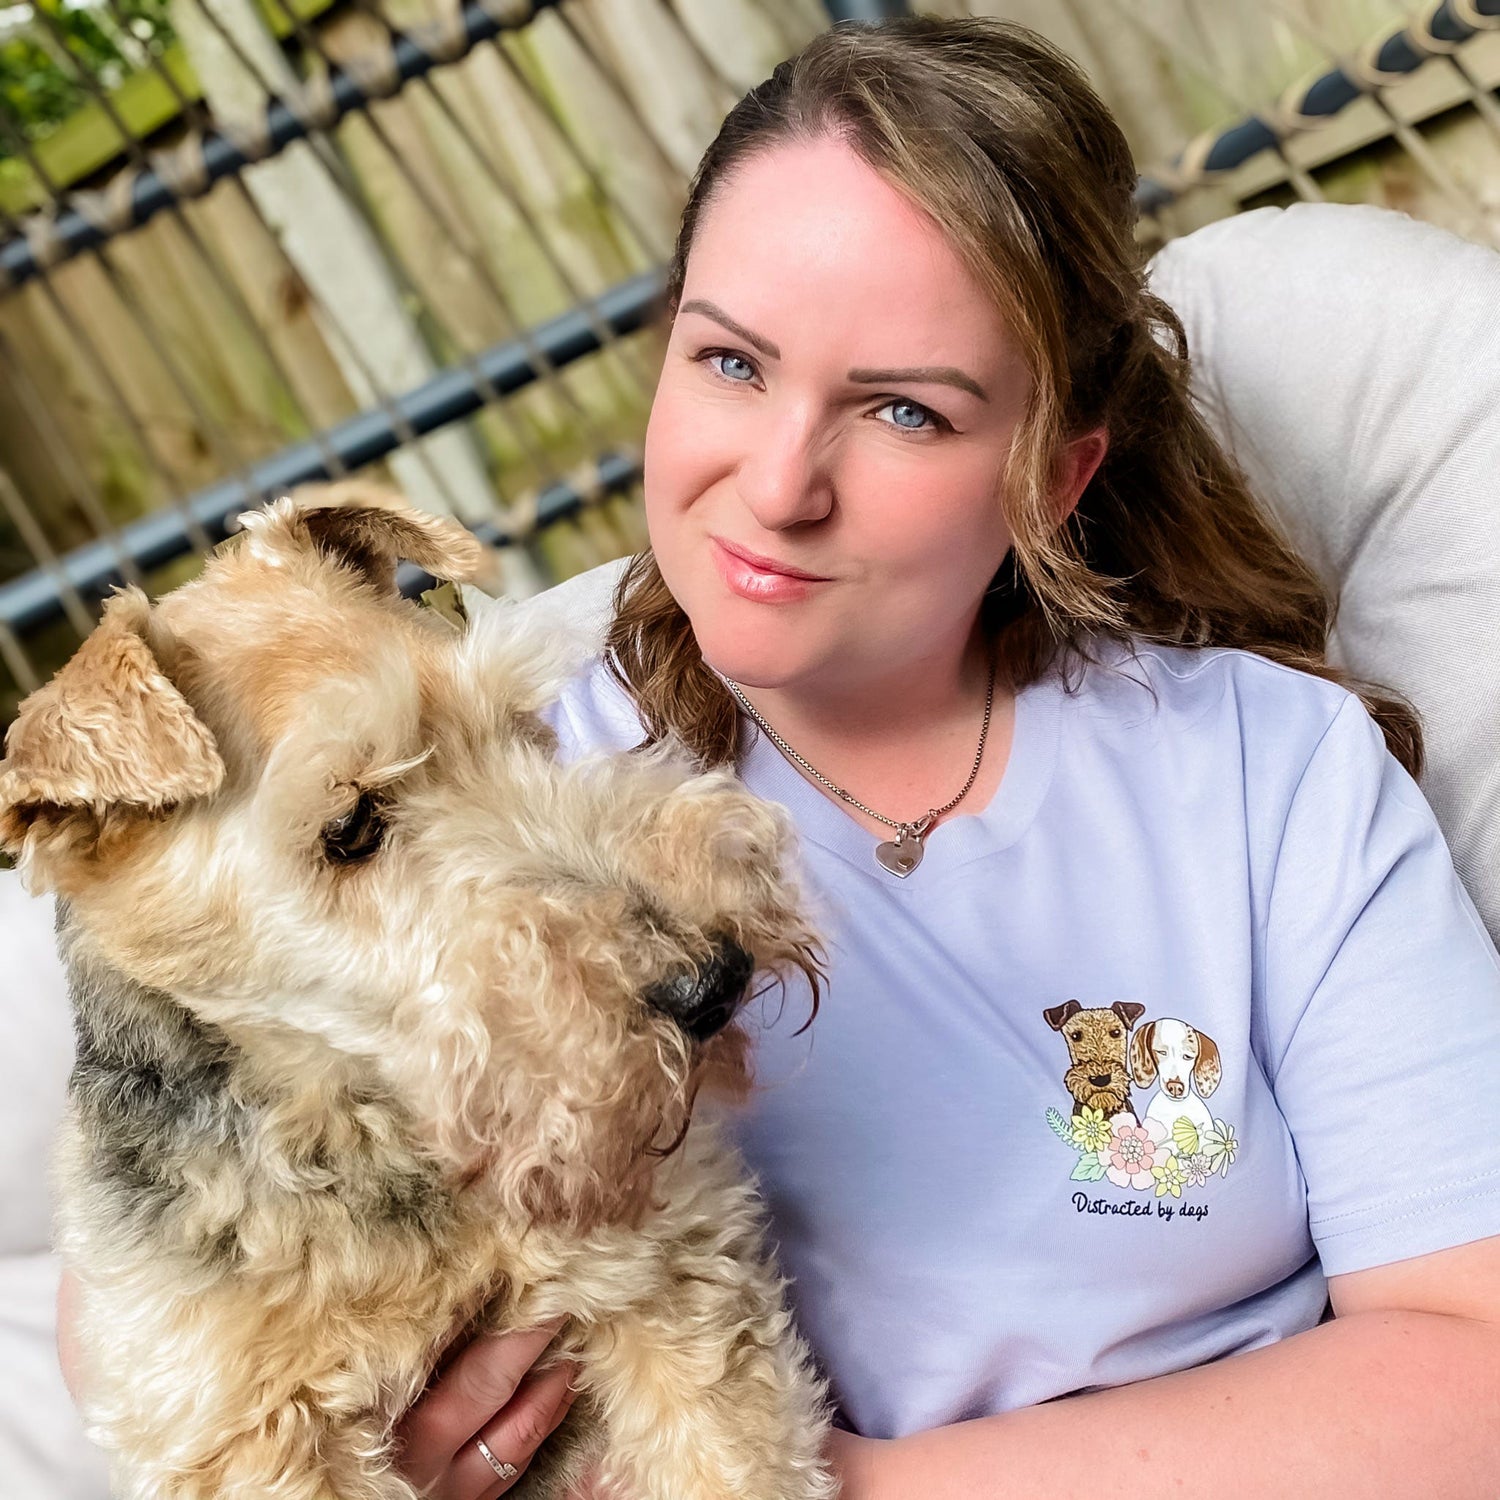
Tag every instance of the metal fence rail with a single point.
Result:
(89, 572)
(1309, 106)
(86, 220)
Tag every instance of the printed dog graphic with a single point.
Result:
(1185, 1059)
(389, 1022)
(1097, 1075)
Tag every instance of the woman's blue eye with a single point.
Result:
(734, 359)
(728, 365)
(910, 406)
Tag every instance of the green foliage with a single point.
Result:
(36, 92)
(39, 88)
(1060, 1127)
(1090, 1168)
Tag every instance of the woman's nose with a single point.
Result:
(783, 477)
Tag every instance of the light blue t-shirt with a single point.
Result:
(1194, 1014)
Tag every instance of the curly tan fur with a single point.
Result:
(324, 1112)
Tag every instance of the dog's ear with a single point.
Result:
(367, 529)
(108, 731)
(1206, 1071)
(1142, 1057)
(1129, 1011)
(1060, 1015)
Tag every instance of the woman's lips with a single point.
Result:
(760, 584)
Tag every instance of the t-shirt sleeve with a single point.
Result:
(591, 715)
(1382, 995)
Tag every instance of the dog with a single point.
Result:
(1097, 1075)
(1185, 1059)
(389, 1024)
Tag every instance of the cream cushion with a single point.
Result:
(43, 1454)
(1350, 358)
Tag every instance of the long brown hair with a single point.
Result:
(998, 137)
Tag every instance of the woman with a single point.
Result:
(1128, 1060)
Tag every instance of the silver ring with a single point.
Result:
(499, 1465)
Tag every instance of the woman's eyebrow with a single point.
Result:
(930, 374)
(708, 309)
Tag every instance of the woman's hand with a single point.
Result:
(490, 1392)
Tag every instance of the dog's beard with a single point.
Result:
(624, 1193)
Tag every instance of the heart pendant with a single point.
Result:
(900, 855)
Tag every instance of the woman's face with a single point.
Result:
(838, 396)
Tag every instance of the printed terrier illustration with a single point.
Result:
(1097, 1074)
(386, 1021)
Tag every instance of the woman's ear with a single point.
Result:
(1079, 463)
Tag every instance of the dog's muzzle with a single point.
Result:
(703, 1001)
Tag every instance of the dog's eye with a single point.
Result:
(356, 835)
(1115, 1032)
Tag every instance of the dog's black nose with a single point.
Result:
(703, 1000)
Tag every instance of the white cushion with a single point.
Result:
(580, 605)
(36, 1051)
(43, 1452)
(1350, 358)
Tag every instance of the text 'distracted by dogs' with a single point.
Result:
(1168, 1149)
(1142, 1208)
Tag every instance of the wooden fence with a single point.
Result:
(500, 189)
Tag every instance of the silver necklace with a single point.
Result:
(902, 854)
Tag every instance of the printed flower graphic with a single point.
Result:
(1221, 1147)
(1091, 1131)
(1196, 1169)
(1132, 1153)
(1169, 1176)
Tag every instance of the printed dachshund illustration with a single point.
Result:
(1187, 1062)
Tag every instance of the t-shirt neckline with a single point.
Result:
(963, 837)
